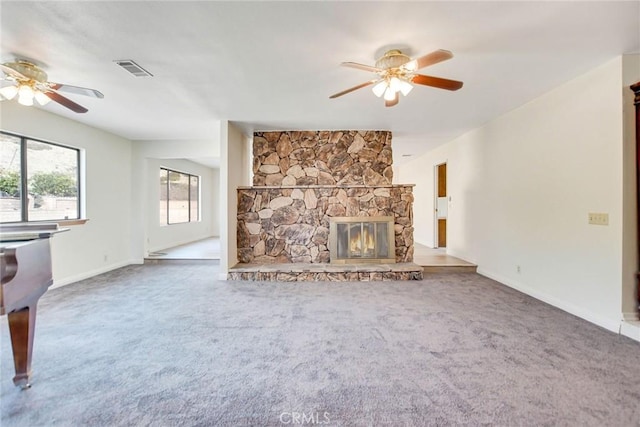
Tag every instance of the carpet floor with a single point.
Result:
(166, 344)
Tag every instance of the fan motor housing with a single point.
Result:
(392, 59)
(29, 70)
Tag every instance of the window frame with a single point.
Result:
(24, 201)
(198, 198)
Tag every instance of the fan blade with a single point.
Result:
(13, 73)
(76, 90)
(438, 82)
(428, 59)
(362, 67)
(66, 102)
(393, 102)
(360, 86)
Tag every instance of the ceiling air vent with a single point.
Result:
(133, 68)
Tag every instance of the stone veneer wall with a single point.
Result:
(291, 224)
(322, 158)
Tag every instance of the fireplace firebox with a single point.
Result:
(362, 240)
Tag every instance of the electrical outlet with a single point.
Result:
(518, 270)
(598, 218)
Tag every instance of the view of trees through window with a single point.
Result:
(47, 173)
(179, 197)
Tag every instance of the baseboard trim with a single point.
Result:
(603, 322)
(630, 329)
(57, 283)
(449, 269)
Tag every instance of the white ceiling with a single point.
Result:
(272, 65)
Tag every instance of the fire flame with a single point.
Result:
(360, 238)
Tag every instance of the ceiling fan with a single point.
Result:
(396, 73)
(30, 82)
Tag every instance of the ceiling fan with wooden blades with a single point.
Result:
(396, 73)
(30, 82)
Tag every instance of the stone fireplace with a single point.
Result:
(307, 183)
(355, 240)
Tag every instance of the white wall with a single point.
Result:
(101, 244)
(166, 236)
(233, 174)
(147, 235)
(121, 193)
(521, 189)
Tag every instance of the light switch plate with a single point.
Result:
(598, 218)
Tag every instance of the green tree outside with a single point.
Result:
(53, 184)
(10, 182)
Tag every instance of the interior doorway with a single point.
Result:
(441, 206)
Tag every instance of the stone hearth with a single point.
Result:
(304, 272)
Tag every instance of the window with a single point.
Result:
(179, 197)
(39, 181)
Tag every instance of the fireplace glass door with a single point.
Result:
(362, 239)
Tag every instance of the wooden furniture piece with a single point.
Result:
(25, 275)
(636, 90)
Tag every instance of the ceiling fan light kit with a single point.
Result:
(29, 82)
(25, 95)
(41, 97)
(26, 88)
(9, 92)
(379, 88)
(397, 74)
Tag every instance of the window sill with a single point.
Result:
(60, 222)
(65, 222)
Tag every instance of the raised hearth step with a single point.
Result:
(315, 272)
